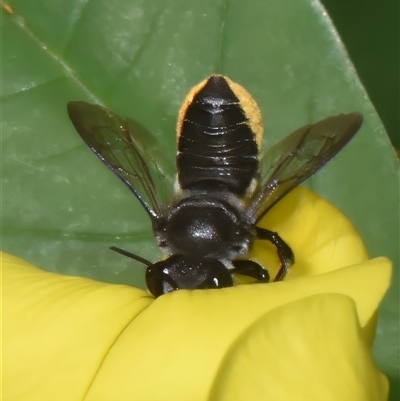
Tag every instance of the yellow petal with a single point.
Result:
(56, 330)
(182, 338)
(311, 349)
(321, 237)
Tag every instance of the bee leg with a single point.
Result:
(251, 269)
(284, 251)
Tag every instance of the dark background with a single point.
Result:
(370, 32)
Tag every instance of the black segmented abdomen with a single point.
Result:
(215, 144)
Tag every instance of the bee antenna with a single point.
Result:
(132, 256)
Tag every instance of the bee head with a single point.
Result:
(186, 272)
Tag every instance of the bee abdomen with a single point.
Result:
(216, 144)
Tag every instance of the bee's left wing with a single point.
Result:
(299, 156)
(109, 137)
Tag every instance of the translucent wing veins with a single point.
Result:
(109, 138)
(299, 156)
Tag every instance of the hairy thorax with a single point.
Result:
(206, 227)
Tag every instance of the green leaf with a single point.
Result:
(62, 209)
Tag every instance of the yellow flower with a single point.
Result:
(306, 338)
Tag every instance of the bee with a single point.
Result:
(206, 224)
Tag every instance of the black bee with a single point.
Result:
(208, 226)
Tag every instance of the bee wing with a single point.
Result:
(299, 156)
(109, 137)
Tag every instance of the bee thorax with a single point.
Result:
(204, 227)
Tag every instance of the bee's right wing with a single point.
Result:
(109, 137)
